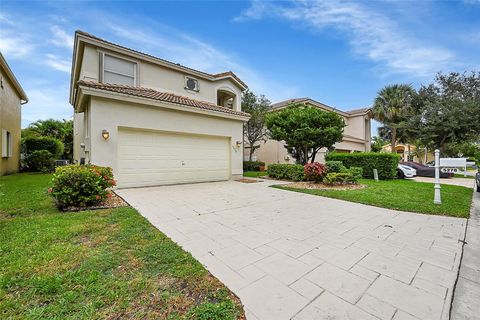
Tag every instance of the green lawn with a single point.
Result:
(405, 195)
(95, 264)
(254, 174)
(460, 175)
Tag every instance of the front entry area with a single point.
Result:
(152, 158)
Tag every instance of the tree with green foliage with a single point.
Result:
(448, 111)
(305, 130)
(254, 131)
(392, 107)
(59, 129)
(378, 143)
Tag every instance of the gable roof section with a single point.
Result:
(86, 37)
(13, 79)
(160, 96)
(285, 103)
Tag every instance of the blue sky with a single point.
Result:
(339, 53)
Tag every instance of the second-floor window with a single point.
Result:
(118, 71)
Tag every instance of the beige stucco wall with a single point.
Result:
(10, 120)
(111, 114)
(78, 135)
(160, 78)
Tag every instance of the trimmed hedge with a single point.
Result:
(385, 163)
(52, 145)
(40, 160)
(252, 165)
(294, 172)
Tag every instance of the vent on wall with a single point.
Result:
(191, 84)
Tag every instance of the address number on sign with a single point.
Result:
(450, 170)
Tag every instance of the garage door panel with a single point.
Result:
(148, 158)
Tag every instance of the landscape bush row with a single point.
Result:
(333, 172)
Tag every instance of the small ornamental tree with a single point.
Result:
(254, 130)
(305, 130)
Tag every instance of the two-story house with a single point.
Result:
(153, 121)
(356, 135)
(12, 97)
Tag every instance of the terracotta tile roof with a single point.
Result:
(360, 110)
(205, 74)
(231, 74)
(304, 100)
(160, 96)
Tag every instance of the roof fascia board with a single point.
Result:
(13, 79)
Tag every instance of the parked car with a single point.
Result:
(404, 171)
(477, 179)
(425, 171)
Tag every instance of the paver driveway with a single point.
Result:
(291, 255)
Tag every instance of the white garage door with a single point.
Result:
(147, 158)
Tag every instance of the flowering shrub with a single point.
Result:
(81, 185)
(315, 171)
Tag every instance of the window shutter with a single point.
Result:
(4, 144)
(9, 144)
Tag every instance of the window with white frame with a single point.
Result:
(118, 71)
(6, 144)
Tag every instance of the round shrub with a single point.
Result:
(315, 171)
(40, 160)
(334, 166)
(52, 145)
(81, 185)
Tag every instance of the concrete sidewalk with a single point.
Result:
(466, 303)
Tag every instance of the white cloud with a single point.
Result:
(179, 47)
(14, 46)
(370, 34)
(61, 38)
(58, 63)
(46, 101)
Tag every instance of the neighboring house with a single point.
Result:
(153, 121)
(12, 97)
(410, 152)
(356, 135)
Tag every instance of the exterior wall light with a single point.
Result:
(239, 143)
(105, 134)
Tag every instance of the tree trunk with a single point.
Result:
(250, 156)
(408, 156)
(393, 143)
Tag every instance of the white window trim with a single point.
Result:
(102, 67)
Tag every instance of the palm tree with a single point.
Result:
(392, 107)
